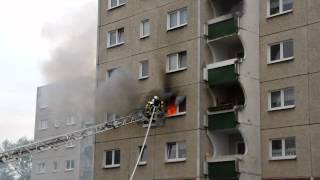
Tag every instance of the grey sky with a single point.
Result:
(23, 51)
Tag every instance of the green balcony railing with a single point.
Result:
(223, 28)
(222, 120)
(222, 75)
(223, 170)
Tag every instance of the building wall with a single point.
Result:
(301, 25)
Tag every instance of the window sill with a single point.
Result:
(115, 45)
(42, 172)
(280, 60)
(68, 170)
(143, 163)
(178, 114)
(177, 70)
(279, 14)
(283, 158)
(281, 108)
(144, 37)
(115, 7)
(143, 77)
(111, 166)
(176, 27)
(176, 160)
(43, 129)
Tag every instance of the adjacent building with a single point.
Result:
(240, 79)
(62, 108)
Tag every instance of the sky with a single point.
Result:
(23, 50)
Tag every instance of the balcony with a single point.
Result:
(222, 27)
(223, 170)
(222, 118)
(222, 72)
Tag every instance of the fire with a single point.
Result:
(171, 110)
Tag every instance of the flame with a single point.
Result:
(171, 110)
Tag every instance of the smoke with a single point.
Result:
(74, 45)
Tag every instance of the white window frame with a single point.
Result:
(178, 11)
(41, 168)
(282, 107)
(113, 165)
(43, 126)
(141, 77)
(118, 4)
(284, 156)
(281, 59)
(70, 163)
(176, 159)
(141, 163)
(142, 33)
(281, 12)
(178, 63)
(117, 38)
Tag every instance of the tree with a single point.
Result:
(20, 169)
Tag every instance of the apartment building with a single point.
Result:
(242, 77)
(62, 108)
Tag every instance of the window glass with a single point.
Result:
(287, 5)
(183, 16)
(144, 68)
(114, 3)
(288, 97)
(276, 148)
(275, 52)
(55, 166)
(290, 146)
(171, 154)
(144, 154)
(182, 59)
(173, 62)
(182, 103)
(121, 35)
(173, 19)
(145, 28)
(182, 150)
(109, 158)
(113, 38)
(275, 99)
(274, 7)
(288, 49)
(117, 157)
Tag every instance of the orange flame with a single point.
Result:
(171, 110)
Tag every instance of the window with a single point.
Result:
(177, 18)
(177, 62)
(110, 117)
(69, 165)
(176, 151)
(282, 51)
(116, 37)
(41, 167)
(42, 99)
(143, 159)
(55, 166)
(281, 99)
(177, 106)
(283, 148)
(43, 124)
(278, 7)
(116, 3)
(71, 120)
(144, 70)
(145, 28)
(70, 144)
(112, 158)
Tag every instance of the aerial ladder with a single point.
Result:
(151, 115)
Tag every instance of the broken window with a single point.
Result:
(177, 105)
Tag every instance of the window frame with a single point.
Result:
(282, 58)
(283, 149)
(142, 33)
(41, 168)
(282, 106)
(281, 12)
(117, 6)
(41, 127)
(145, 149)
(141, 77)
(178, 54)
(179, 113)
(176, 159)
(178, 11)
(118, 43)
(113, 165)
(69, 168)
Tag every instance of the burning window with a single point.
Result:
(177, 106)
